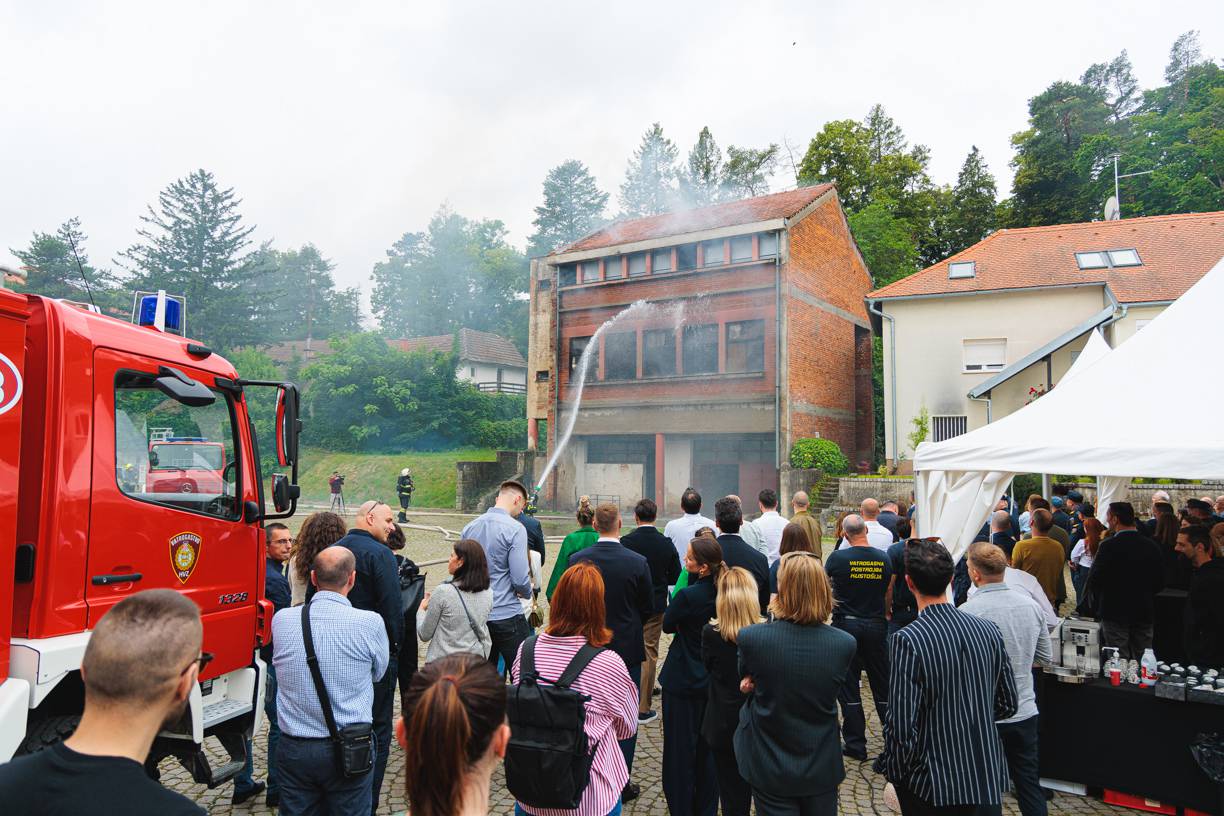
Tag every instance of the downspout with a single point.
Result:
(985, 399)
(1120, 316)
(778, 355)
(873, 307)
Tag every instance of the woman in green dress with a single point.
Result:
(576, 541)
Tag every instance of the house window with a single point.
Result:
(544, 285)
(590, 272)
(962, 269)
(701, 349)
(620, 356)
(714, 254)
(542, 375)
(1091, 260)
(567, 274)
(637, 264)
(661, 261)
(658, 353)
(686, 257)
(615, 268)
(741, 248)
(746, 346)
(1124, 257)
(985, 355)
(769, 244)
(946, 427)
(472, 372)
(577, 345)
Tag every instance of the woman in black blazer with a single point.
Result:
(787, 744)
(738, 606)
(690, 780)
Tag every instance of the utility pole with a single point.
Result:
(1117, 197)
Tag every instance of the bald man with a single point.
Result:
(878, 535)
(142, 661)
(376, 588)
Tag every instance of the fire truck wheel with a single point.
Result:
(44, 733)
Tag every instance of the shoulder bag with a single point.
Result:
(354, 743)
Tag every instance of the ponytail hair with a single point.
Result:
(452, 709)
(585, 513)
(708, 552)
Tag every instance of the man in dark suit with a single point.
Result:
(629, 600)
(949, 681)
(664, 563)
(736, 551)
(1126, 575)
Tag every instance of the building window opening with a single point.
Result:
(577, 345)
(946, 427)
(701, 349)
(590, 272)
(637, 264)
(620, 356)
(714, 254)
(985, 355)
(741, 248)
(661, 262)
(686, 257)
(746, 346)
(658, 353)
(542, 375)
(615, 268)
(567, 274)
(769, 244)
(1124, 257)
(1091, 260)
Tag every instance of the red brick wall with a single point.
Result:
(827, 360)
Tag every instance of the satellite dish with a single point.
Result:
(1112, 211)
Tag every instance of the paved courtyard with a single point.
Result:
(862, 792)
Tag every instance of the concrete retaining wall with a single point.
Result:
(793, 480)
(476, 483)
(851, 492)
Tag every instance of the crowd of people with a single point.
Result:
(760, 700)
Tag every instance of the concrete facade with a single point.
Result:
(773, 345)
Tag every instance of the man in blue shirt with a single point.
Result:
(377, 589)
(351, 647)
(505, 544)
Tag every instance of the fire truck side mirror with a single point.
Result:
(178, 386)
(283, 493)
(287, 425)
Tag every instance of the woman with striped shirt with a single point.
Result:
(576, 618)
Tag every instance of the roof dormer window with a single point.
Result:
(1124, 257)
(1108, 259)
(962, 269)
(1091, 260)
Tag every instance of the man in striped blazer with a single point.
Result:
(949, 682)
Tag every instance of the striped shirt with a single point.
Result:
(949, 681)
(611, 715)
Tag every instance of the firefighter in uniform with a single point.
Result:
(404, 488)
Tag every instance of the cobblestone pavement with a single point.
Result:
(861, 792)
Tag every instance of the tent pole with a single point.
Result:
(1045, 485)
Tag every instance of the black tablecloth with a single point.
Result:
(1168, 626)
(1127, 739)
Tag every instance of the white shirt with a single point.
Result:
(771, 526)
(750, 532)
(1022, 581)
(878, 536)
(1081, 556)
(684, 529)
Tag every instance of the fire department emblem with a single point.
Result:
(10, 384)
(184, 555)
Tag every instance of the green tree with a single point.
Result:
(194, 244)
(298, 297)
(1184, 54)
(573, 207)
(973, 207)
(458, 273)
(841, 153)
(1116, 80)
(748, 170)
(649, 187)
(886, 243)
(51, 265)
(701, 182)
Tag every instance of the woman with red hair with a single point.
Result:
(576, 618)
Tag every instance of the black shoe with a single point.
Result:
(854, 754)
(630, 792)
(273, 799)
(649, 716)
(248, 794)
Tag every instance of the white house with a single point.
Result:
(489, 361)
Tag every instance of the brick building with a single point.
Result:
(697, 389)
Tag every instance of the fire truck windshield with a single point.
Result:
(187, 456)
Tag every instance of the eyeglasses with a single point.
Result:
(203, 660)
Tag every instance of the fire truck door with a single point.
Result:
(143, 537)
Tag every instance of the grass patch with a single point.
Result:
(373, 475)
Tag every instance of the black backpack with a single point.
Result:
(548, 760)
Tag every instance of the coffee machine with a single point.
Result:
(1079, 646)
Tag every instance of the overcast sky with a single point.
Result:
(349, 124)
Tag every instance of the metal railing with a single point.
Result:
(501, 388)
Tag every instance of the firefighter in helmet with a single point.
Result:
(403, 489)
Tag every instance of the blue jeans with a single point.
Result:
(245, 781)
(518, 810)
(311, 782)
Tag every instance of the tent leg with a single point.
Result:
(1045, 485)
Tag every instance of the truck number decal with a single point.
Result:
(10, 384)
(237, 597)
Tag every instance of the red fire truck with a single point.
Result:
(81, 397)
(189, 464)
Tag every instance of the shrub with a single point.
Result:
(823, 454)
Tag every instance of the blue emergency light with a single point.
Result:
(148, 312)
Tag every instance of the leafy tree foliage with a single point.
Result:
(1116, 80)
(50, 263)
(573, 207)
(886, 242)
(366, 395)
(650, 185)
(298, 298)
(748, 170)
(194, 244)
(458, 273)
(973, 208)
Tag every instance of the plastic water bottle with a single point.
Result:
(1147, 676)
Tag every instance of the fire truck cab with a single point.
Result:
(83, 398)
(185, 464)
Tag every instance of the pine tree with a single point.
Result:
(701, 182)
(974, 207)
(1116, 80)
(650, 179)
(50, 263)
(1185, 53)
(194, 245)
(297, 296)
(573, 207)
(747, 171)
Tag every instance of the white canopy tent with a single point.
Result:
(1098, 420)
